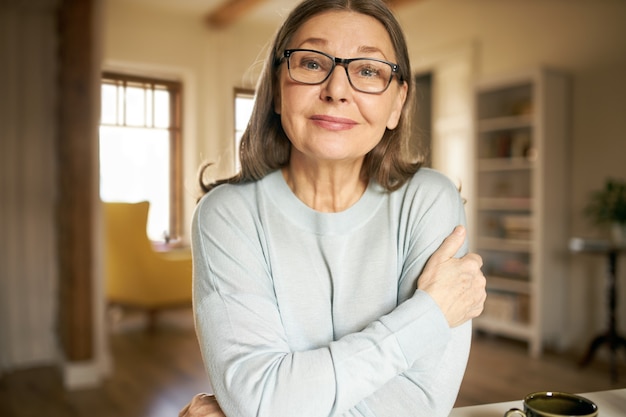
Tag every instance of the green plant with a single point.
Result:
(608, 205)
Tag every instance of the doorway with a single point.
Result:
(444, 83)
(421, 126)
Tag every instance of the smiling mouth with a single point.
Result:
(333, 123)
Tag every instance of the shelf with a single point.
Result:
(515, 330)
(519, 286)
(504, 245)
(505, 204)
(505, 123)
(504, 164)
(520, 143)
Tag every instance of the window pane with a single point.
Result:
(243, 111)
(148, 122)
(140, 149)
(135, 106)
(161, 108)
(109, 104)
(134, 166)
(121, 105)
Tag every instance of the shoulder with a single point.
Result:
(431, 206)
(237, 204)
(429, 182)
(223, 196)
(429, 195)
(226, 204)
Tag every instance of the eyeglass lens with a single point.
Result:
(366, 75)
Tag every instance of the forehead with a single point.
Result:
(343, 31)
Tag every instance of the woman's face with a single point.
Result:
(332, 122)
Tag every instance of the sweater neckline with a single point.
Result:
(303, 216)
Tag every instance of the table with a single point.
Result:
(610, 403)
(610, 337)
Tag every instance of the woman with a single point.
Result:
(327, 277)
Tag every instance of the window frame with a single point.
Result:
(239, 92)
(175, 89)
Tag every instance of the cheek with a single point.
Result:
(377, 111)
(284, 97)
(397, 106)
(291, 104)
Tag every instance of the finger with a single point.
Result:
(195, 403)
(205, 400)
(205, 405)
(451, 244)
(474, 261)
(198, 398)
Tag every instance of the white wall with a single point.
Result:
(583, 37)
(238, 62)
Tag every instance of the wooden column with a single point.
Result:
(77, 139)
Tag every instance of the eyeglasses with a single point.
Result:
(367, 75)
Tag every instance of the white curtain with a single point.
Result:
(28, 268)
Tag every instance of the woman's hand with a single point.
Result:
(202, 405)
(456, 285)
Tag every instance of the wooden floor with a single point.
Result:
(156, 374)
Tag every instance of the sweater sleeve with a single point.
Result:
(430, 387)
(243, 342)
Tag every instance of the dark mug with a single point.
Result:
(555, 404)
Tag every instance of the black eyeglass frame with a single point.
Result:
(395, 68)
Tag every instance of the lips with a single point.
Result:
(332, 122)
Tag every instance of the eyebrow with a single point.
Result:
(360, 49)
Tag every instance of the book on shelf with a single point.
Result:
(509, 145)
(518, 227)
(507, 307)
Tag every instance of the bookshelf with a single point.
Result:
(520, 214)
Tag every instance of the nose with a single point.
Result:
(337, 86)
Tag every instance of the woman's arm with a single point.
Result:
(417, 392)
(454, 280)
(424, 391)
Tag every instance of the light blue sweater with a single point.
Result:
(308, 314)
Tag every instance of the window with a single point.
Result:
(244, 101)
(140, 148)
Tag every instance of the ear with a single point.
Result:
(397, 106)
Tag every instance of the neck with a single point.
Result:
(328, 189)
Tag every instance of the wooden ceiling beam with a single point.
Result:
(229, 11)
(396, 3)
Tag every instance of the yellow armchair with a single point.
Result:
(136, 275)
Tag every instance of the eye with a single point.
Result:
(369, 72)
(312, 63)
(368, 69)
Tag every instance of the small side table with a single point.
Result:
(611, 336)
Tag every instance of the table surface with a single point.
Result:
(610, 404)
(579, 244)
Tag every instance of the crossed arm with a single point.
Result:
(456, 285)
